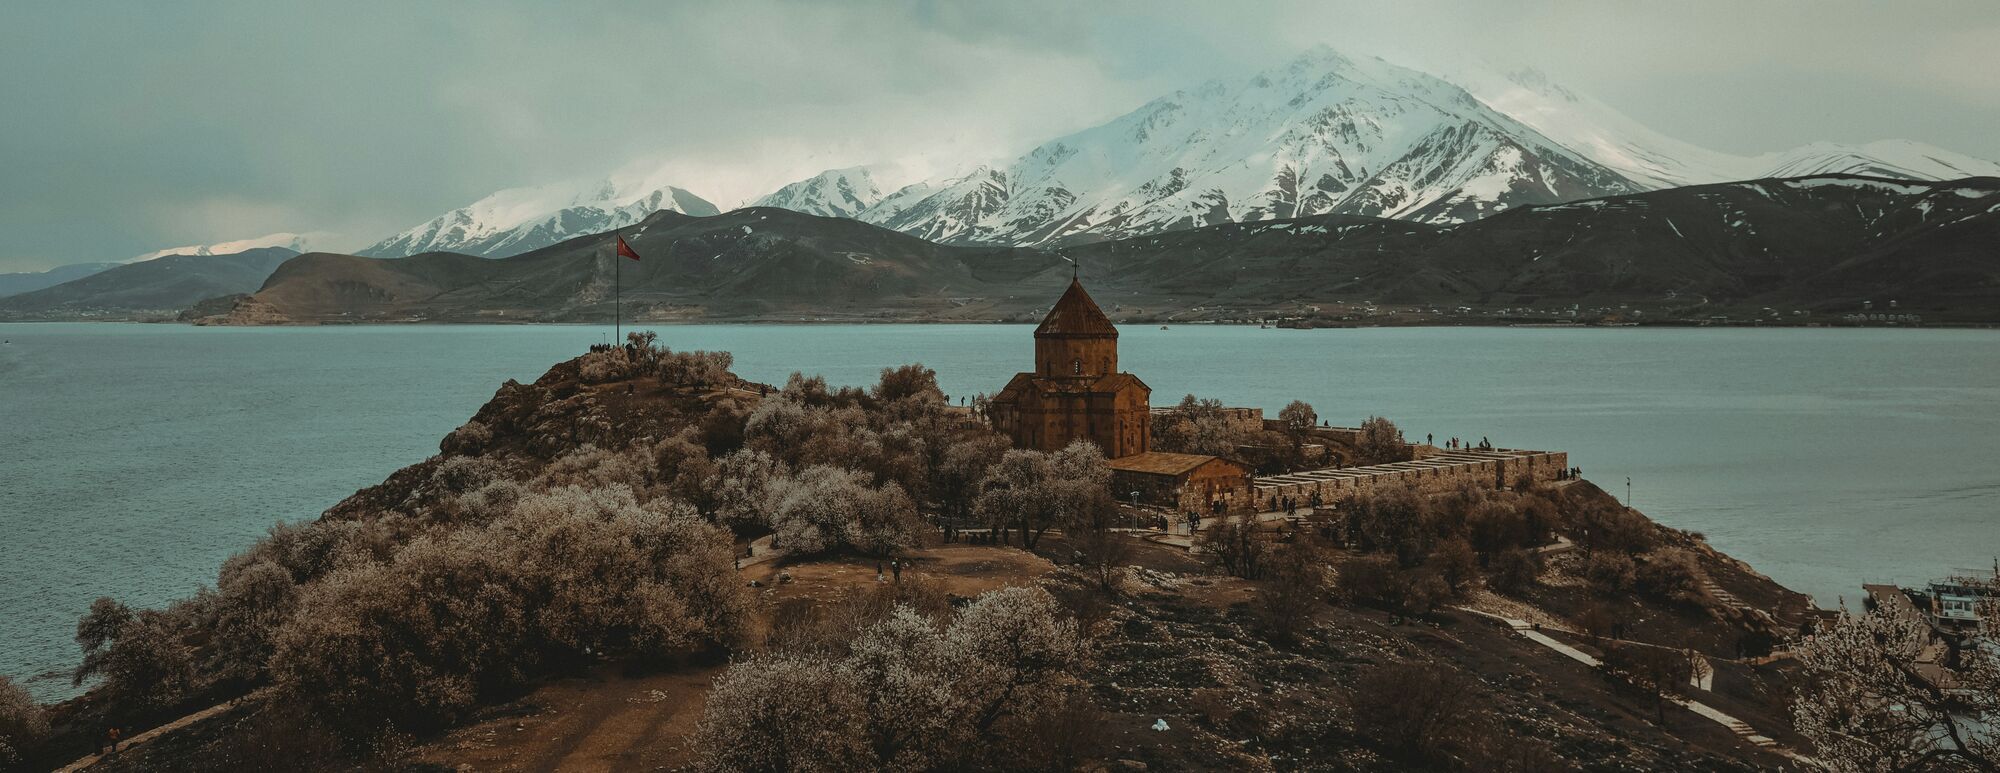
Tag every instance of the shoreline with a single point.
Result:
(640, 323)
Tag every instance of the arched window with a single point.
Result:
(1076, 366)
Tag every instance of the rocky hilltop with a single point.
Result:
(629, 560)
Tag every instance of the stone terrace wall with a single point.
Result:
(1441, 473)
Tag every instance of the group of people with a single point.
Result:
(1290, 504)
(1572, 473)
(1457, 444)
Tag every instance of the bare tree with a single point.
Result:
(1298, 418)
(1415, 711)
(1381, 442)
(1656, 671)
(1294, 587)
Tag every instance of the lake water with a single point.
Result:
(134, 458)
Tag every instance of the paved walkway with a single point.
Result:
(1739, 727)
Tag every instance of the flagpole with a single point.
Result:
(617, 271)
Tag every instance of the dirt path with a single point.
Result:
(160, 731)
(599, 723)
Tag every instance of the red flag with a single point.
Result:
(625, 250)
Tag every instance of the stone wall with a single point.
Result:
(1438, 474)
(1240, 419)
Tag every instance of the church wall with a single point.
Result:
(1076, 356)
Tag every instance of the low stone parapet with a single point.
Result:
(1495, 469)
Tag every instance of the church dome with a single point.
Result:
(1075, 314)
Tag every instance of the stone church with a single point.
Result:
(1075, 391)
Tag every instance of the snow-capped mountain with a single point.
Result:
(832, 193)
(1322, 133)
(517, 220)
(1655, 160)
(306, 242)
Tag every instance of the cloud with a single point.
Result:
(132, 128)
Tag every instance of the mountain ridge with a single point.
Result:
(161, 285)
(1811, 249)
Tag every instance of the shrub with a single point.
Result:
(253, 598)
(593, 467)
(1397, 521)
(1604, 525)
(906, 381)
(827, 507)
(906, 696)
(452, 620)
(783, 712)
(697, 369)
(143, 657)
(682, 470)
(1421, 592)
(1494, 526)
(22, 724)
(1608, 572)
(1371, 580)
(1671, 576)
(470, 439)
(1456, 564)
(1294, 590)
(741, 488)
(1513, 570)
(1234, 548)
(1197, 426)
(1654, 671)
(1035, 491)
(1415, 711)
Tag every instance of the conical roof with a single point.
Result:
(1075, 314)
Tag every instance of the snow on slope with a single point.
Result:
(832, 193)
(1886, 158)
(1613, 139)
(1322, 133)
(517, 220)
(306, 242)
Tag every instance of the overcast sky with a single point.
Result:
(129, 127)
